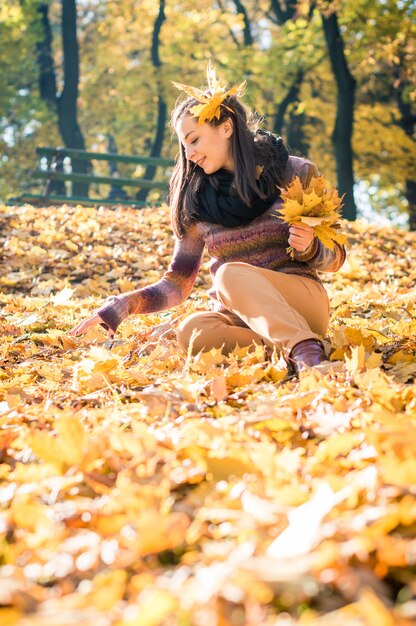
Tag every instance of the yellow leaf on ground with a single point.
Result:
(361, 360)
(73, 439)
(49, 371)
(153, 606)
(9, 616)
(108, 589)
(63, 297)
(373, 611)
(47, 447)
(27, 513)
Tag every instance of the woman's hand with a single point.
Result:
(300, 236)
(88, 323)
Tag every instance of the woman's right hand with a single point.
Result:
(88, 323)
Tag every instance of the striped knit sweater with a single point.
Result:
(262, 243)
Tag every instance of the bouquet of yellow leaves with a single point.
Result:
(317, 205)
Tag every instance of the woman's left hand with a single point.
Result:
(300, 236)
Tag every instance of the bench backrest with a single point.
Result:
(103, 156)
(55, 176)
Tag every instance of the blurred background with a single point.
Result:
(336, 79)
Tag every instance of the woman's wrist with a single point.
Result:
(309, 252)
(113, 312)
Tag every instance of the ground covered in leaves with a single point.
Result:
(144, 487)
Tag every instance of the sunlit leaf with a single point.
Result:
(316, 205)
(182, 471)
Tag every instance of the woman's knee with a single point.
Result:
(229, 275)
(193, 329)
(186, 329)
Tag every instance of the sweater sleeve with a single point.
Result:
(307, 172)
(321, 258)
(172, 289)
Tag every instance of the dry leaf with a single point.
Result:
(316, 205)
(183, 472)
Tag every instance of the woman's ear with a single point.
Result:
(227, 127)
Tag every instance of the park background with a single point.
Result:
(141, 486)
(336, 79)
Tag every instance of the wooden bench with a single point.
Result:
(55, 176)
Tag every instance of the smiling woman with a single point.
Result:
(205, 145)
(224, 193)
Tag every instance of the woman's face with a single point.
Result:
(207, 146)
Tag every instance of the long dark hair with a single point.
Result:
(250, 147)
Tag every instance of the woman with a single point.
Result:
(224, 194)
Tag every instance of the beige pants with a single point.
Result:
(261, 306)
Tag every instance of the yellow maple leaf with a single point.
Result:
(310, 201)
(67, 448)
(198, 94)
(207, 110)
(290, 211)
(328, 235)
(316, 205)
(311, 221)
(206, 360)
(210, 99)
(294, 191)
(317, 184)
(63, 297)
(361, 360)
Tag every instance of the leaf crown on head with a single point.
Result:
(210, 99)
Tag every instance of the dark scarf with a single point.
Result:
(218, 203)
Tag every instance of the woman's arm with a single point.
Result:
(172, 289)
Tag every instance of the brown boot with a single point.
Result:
(306, 353)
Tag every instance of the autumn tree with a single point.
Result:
(127, 53)
(161, 100)
(286, 115)
(381, 39)
(65, 102)
(343, 130)
(24, 119)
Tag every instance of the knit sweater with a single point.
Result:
(263, 243)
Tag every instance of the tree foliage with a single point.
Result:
(282, 53)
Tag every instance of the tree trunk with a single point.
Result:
(47, 90)
(67, 100)
(284, 11)
(248, 38)
(342, 135)
(161, 103)
(47, 79)
(411, 199)
(407, 122)
(65, 104)
(292, 127)
(296, 137)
